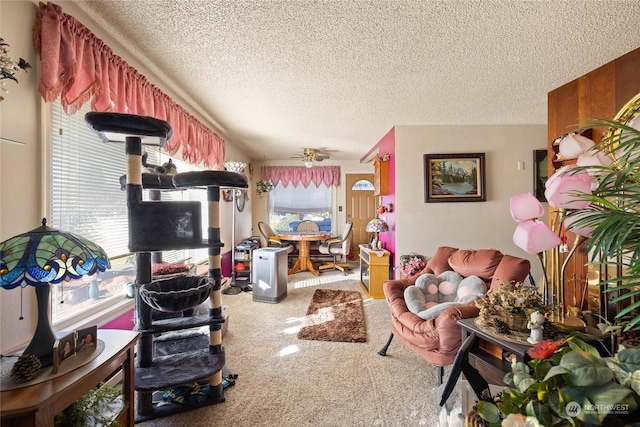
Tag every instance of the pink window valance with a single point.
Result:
(329, 175)
(77, 66)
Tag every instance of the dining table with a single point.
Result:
(304, 239)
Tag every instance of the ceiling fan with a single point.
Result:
(310, 155)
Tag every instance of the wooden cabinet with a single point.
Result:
(489, 354)
(381, 176)
(37, 405)
(374, 271)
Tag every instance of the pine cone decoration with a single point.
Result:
(501, 326)
(473, 419)
(549, 331)
(26, 368)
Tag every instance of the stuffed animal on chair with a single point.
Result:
(432, 294)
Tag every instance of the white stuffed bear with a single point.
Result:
(433, 294)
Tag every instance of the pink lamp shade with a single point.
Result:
(573, 145)
(564, 186)
(594, 159)
(534, 237)
(581, 231)
(525, 206)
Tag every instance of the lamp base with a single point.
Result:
(44, 338)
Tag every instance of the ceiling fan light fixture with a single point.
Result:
(308, 163)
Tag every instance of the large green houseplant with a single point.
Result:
(567, 383)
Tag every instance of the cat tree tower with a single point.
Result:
(170, 225)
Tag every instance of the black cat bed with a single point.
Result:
(176, 294)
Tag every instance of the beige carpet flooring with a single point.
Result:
(284, 381)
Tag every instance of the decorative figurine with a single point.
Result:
(535, 324)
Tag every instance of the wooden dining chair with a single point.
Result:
(308, 225)
(269, 239)
(336, 246)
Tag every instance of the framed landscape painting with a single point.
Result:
(454, 178)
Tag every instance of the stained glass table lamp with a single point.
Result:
(39, 258)
(376, 226)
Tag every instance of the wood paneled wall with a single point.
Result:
(601, 94)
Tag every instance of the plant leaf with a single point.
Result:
(607, 395)
(585, 369)
(578, 344)
(539, 411)
(526, 383)
(556, 370)
(488, 411)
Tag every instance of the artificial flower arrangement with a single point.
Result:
(9, 67)
(513, 297)
(263, 186)
(513, 302)
(568, 383)
(412, 264)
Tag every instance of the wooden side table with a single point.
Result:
(489, 360)
(374, 270)
(37, 405)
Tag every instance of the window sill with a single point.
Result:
(99, 316)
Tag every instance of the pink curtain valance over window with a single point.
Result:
(329, 175)
(77, 66)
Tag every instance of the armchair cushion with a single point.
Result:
(440, 260)
(417, 304)
(481, 262)
(510, 268)
(428, 300)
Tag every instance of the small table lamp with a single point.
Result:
(376, 225)
(40, 257)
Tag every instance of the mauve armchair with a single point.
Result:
(438, 339)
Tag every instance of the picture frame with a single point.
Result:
(540, 173)
(87, 339)
(454, 178)
(63, 348)
(226, 195)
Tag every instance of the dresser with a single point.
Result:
(374, 270)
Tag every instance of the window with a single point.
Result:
(363, 185)
(290, 205)
(86, 199)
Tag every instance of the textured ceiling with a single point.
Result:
(277, 76)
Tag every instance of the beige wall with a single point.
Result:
(21, 207)
(422, 227)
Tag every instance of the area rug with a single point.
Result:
(334, 315)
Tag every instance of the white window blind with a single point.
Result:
(86, 198)
(290, 205)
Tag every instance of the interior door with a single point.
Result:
(361, 207)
